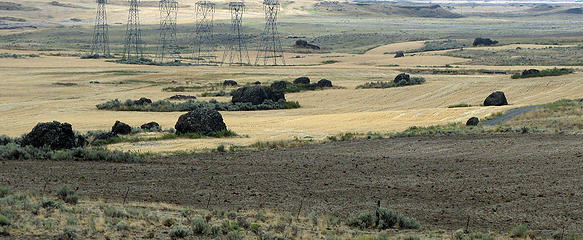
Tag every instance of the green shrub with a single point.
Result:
(234, 235)
(200, 227)
(364, 220)
(49, 204)
(520, 231)
(4, 221)
(4, 191)
(167, 106)
(408, 223)
(68, 195)
(387, 218)
(461, 105)
(544, 73)
(178, 232)
(391, 84)
(12, 151)
(113, 212)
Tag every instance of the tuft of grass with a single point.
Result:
(330, 61)
(460, 105)
(68, 195)
(200, 227)
(4, 221)
(520, 231)
(178, 232)
(221, 148)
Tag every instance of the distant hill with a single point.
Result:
(375, 8)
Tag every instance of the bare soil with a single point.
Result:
(497, 182)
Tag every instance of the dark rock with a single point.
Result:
(54, 135)
(473, 121)
(104, 136)
(496, 99)
(230, 83)
(402, 77)
(530, 72)
(121, 128)
(324, 83)
(305, 44)
(152, 126)
(302, 80)
(399, 54)
(484, 42)
(201, 120)
(143, 101)
(257, 83)
(182, 97)
(256, 95)
(280, 85)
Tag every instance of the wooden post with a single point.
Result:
(125, 197)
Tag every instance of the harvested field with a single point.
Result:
(497, 182)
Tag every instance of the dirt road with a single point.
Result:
(497, 182)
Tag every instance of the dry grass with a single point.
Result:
(31, 96)
(562, 116)
(36, 215)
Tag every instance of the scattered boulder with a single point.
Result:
(257, 83)
(324, 83)
(54, 135)
(305, 44)
(496, 99)
(182, 97)
(152, 126)
(143, 101)
(280, 85)
(302, 80)
(484, 42)
(121, 128)
(399, 54)
(104, 136)
(402, 77)
(473, 121)
(231, 83)
(201, 120)
(256, 95)
(530, 72)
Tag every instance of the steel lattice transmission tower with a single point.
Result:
(100, 41)
(270, 47)
(133, 36)
(204, 42)
(168, 48)
(237, 52)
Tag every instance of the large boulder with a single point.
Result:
(484, 42)
(530, 72)
(473, 121)
(121, 128)
(201, 120)
(256, 95)
(496, 99)
(302, 80)
(143, 101)
(280, 85)
(230, 83)
(324, 83)
(402, 77)
(152, 126)
(54, 135)
(399, 54)
(304, 44)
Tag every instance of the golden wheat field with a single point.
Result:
(35, 90)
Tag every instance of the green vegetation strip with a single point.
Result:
(544, 73)
(167, 106)
(382, 84)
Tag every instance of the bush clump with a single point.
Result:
(484, 42)
(544, 73)
(178, 232)
(13, 151)
(402, 83)
(4, 221)
(68, 195)
(167, 106)
(384, 219)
